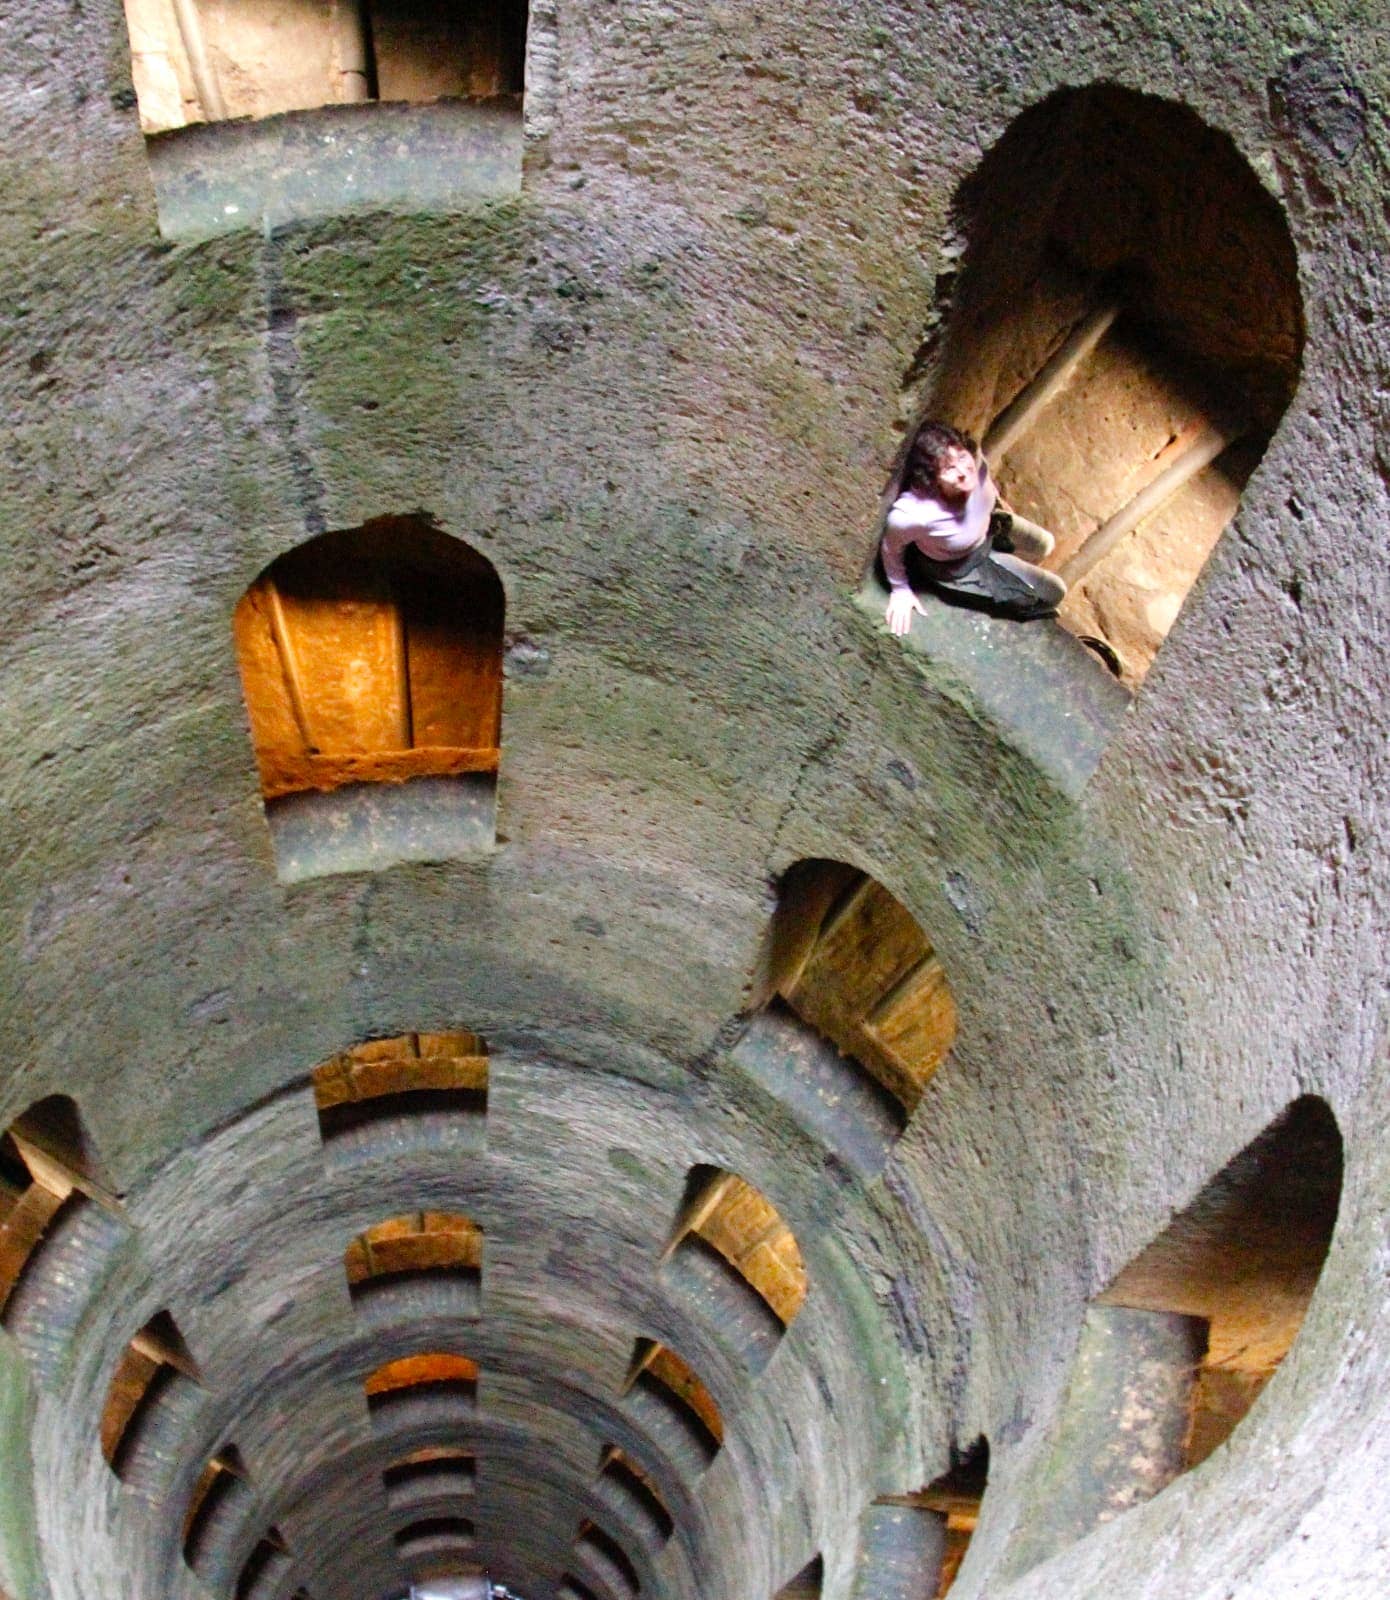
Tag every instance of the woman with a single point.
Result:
(950, 514)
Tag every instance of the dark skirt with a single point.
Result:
(978, 580)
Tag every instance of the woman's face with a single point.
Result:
(958, 476)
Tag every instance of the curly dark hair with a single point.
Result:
(934, 441)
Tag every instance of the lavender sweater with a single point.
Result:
(939, 531)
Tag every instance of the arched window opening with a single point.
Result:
(226, 1464)
(1126, 334)
(852, 962)
(433, 1536)
(570, 1588)
(209, 60)
(1176, 1351)
(220, 1501)
(1245, 1257)
(374, 657)
(436, 1472)
(439, 1252)
(632, 1493)
(953, 1501)
(439, 1383)
(47, 1166)
(147, 1365)
(266, 1568)
(411, 1075)
(730, 1217)
(605, 1557)
(659, 1374)
(807, 1584)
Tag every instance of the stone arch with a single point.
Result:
(1125, 335)
(669, 1400)
(733, 1256)
(426, 1263)
(371, 663)
(632, 1494)
(49, 1172)
(266, 1570)
(1176, 1351)
(431, 1473)
(437, 1388)
(218, 1509)
(857, 1010)
(605, 1559)
(258, 112)
(155, 1361)
(373, 1090)
(915, 1543)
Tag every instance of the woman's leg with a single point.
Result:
(1004, 584)
(1029, 540)
(1045, 589)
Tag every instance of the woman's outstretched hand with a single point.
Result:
(901, 604)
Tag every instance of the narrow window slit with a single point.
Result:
(146, 1368)
(438, 1078)
(630, 1491)
(601, 1550)
(429, 1262)
(660, 1376)
(430, 1473)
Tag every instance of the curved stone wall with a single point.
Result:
(661, 391)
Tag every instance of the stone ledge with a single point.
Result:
(1042, 690)
(219, 177)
